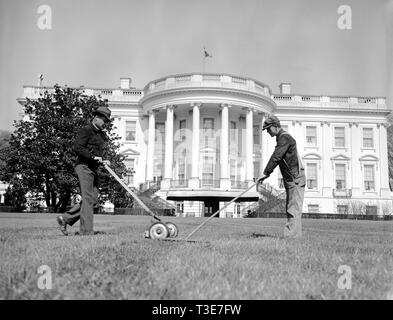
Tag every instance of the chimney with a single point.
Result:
(285, 88)
(125, 83)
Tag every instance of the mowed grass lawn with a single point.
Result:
(236, 259)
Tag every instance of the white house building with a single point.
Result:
(199, 136)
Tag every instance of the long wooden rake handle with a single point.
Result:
(130, 192)
(218, 211)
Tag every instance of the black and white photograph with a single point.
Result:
(196, 156)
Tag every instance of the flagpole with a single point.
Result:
(204, 58)
(205, 55)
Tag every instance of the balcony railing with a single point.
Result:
(179, 183)
(342, 193)
(152, 186)
(239, 184)
(210, 183)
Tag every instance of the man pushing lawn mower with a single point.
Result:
(285, 155)
(88, 146)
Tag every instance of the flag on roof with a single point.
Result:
(207, 55)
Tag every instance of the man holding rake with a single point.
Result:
(285, 155)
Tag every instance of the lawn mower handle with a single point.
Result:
(113, 174)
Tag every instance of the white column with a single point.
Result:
(194, 181)
(224, 148)
(249, 147)
(150, 147)
(383, 165)
(166, 183)
(356, 140)
(264, 155)
(299, 137)
(328, 178)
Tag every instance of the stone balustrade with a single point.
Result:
(209, 80)
(113, 95)
(334, 102)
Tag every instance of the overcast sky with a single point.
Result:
(95, 42)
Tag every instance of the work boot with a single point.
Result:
(293, 228)
(62, 225)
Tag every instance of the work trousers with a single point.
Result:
(294, 205)
(89, 191)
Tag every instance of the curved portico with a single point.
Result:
(210, 121)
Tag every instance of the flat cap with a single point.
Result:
(103, 111)
(270, 120)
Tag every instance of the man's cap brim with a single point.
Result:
(102, 115)
(264, 128)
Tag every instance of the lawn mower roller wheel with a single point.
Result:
(173, 229)
(158, 231)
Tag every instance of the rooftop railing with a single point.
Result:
(223, 81)
(126, 95)
(334, 102)
(207, 80)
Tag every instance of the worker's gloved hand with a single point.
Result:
(100, 160)
(262, 178)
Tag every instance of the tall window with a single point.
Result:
(129, 178)
(208, 130)
(311, 136)
(130, 130)
(182, 127)
(312, 176)
(339, 137)
(160, 132)
(340, 176)
(208, 170)
(233, 130)
(208, 127)
(157, 170)
(368, 138)
(182, 169)
(233, 169)
(256, 134)
(256, 169)
(369, 183)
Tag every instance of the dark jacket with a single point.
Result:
(89, 143)
(285, 156)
